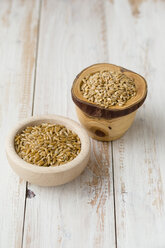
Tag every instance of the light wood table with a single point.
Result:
(118, 202)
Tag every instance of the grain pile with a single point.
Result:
(108, 88)
(47, 144)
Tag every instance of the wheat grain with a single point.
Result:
(108, 88)
(47, 144)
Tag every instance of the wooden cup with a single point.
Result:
(102, 123)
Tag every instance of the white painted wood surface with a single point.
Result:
(94, 210)
(18, 35)
(139, 174)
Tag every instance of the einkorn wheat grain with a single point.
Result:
(108, 88)
(47, 144)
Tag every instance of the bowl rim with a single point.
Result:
(94, 110)
(71, 124)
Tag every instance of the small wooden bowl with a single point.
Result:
(102, 123)
(49, 176)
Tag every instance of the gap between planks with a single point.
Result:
(33, 98)
(106, 54)
(114, 197)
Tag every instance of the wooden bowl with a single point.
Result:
(49, 176)
(102, 123)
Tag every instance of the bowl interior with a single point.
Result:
(68, 123)
(139, 82)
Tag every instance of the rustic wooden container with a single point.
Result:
(48, 176)
(107, 124)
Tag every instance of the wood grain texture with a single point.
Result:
(81, 213)
(105, 130)
(137, 42)
(73, 35)
(18, 23)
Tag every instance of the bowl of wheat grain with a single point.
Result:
(107, 98)
(48, 150)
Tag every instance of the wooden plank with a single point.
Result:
(136, 41)
(18, 34)
(81, 213)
